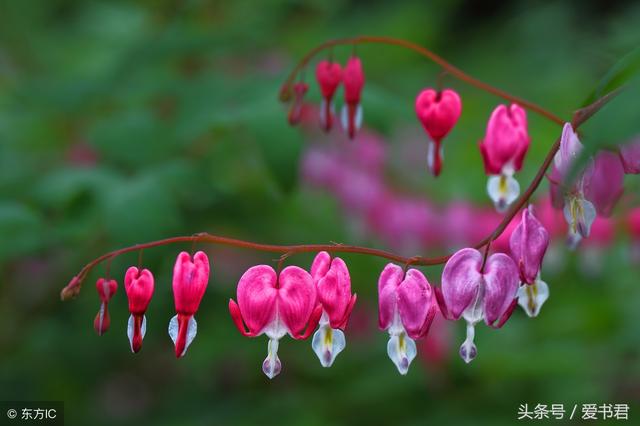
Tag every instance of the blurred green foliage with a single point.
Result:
(123, 121)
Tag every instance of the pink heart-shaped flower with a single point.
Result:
(507, 139)
(463, 277)
(329, 76)
(438, 111)
(139, 285)
(190, 279)
(410, 296)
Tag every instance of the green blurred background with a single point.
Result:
(123, 122)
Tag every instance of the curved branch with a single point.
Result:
(285, 91)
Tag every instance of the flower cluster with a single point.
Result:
(503, 147)
(597, 187)
(296, 302)
(190, 278)
(483, 283)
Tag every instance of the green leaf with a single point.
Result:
(621, 72)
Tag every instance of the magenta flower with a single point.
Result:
(329, 76)
(630, 157)
(106, 289)
(275, 305)
(139, 287)
(603, 182)
(353, 81)
(190, 279)
(406, 309)
(529, 242)
(438, 111)
(478, 293)
(333, 286)
(503, 149)
(295, 112)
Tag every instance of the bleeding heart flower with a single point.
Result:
(529, 242)
(406, 309)
(603, 182)
(353, 81)
(190, 279)
(329, 76)
(630, 156)
(106, 289)
(438, 112)
(295, 113)
(333, 285)
(503, 149)
(275, 306)
(474, 292)
(139, 287)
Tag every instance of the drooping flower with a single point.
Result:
(529, 242)
(438, 111)
(478, 293)
(630, 156)
(333, 287)
(353, 81)
(407, 307)
(295, 112)
(503, 149)
(275, 305)
(190, 279)
(106, 289)
(329, 76)
(139, 285)
(578, 211)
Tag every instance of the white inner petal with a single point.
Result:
(327, 343)
(579, 214)
(358, 117)
(402, 350)
(503, 190)
(192, 330)
(344, 118)
(532, 297)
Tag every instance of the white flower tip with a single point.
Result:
(402, 351)
(503, 190)
(468, 351)
(271, 367)
(531, 297)
(327, 343)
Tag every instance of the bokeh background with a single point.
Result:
(123, 122)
